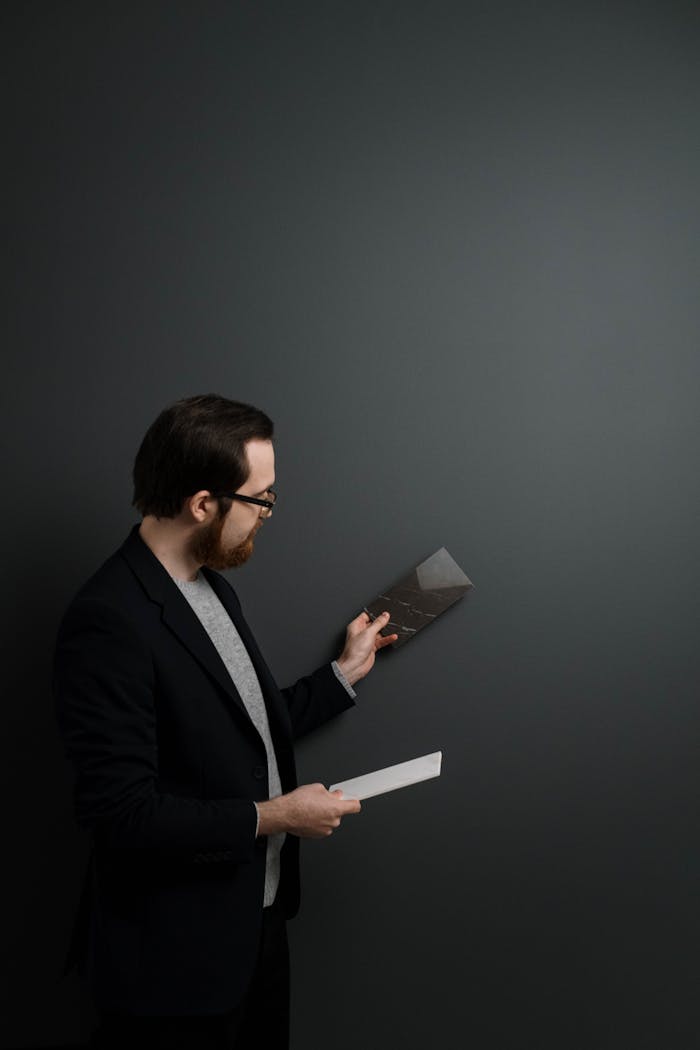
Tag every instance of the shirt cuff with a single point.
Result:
(257, 819)
(343, 680)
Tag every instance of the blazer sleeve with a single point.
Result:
(103, 685)
(315, 699)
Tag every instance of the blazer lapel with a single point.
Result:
(177, 613)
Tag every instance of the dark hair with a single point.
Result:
(197, 443)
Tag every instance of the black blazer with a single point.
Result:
(168, 765)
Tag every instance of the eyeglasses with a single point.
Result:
(266, 504)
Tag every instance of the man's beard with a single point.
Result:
(207, 549)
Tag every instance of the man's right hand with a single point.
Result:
(311, 812)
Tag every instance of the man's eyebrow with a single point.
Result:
(263, 491)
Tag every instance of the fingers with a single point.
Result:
(314, 812)
(381, 621)
(381, 640)
(359, 623)
(349, 805)
(364, 622)
(334, 822)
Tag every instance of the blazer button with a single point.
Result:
(259, 772)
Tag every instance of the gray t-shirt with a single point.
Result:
(219, 626)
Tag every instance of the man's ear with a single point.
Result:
(201, 507)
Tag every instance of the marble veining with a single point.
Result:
(421, 596)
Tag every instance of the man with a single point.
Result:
(182, 745)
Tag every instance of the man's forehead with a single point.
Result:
(261, 460)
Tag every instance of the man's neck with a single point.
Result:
(169, 541)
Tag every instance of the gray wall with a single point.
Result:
(452, 249)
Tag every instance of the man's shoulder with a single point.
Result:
(111, 579)
(113, 584)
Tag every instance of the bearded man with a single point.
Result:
(182, 745)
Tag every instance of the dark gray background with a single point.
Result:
(452, 249)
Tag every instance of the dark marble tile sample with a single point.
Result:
(419, 598)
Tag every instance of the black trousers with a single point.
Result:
(261, 1019)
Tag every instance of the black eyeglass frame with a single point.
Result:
(268, 504)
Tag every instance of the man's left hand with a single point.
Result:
(362, 642)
